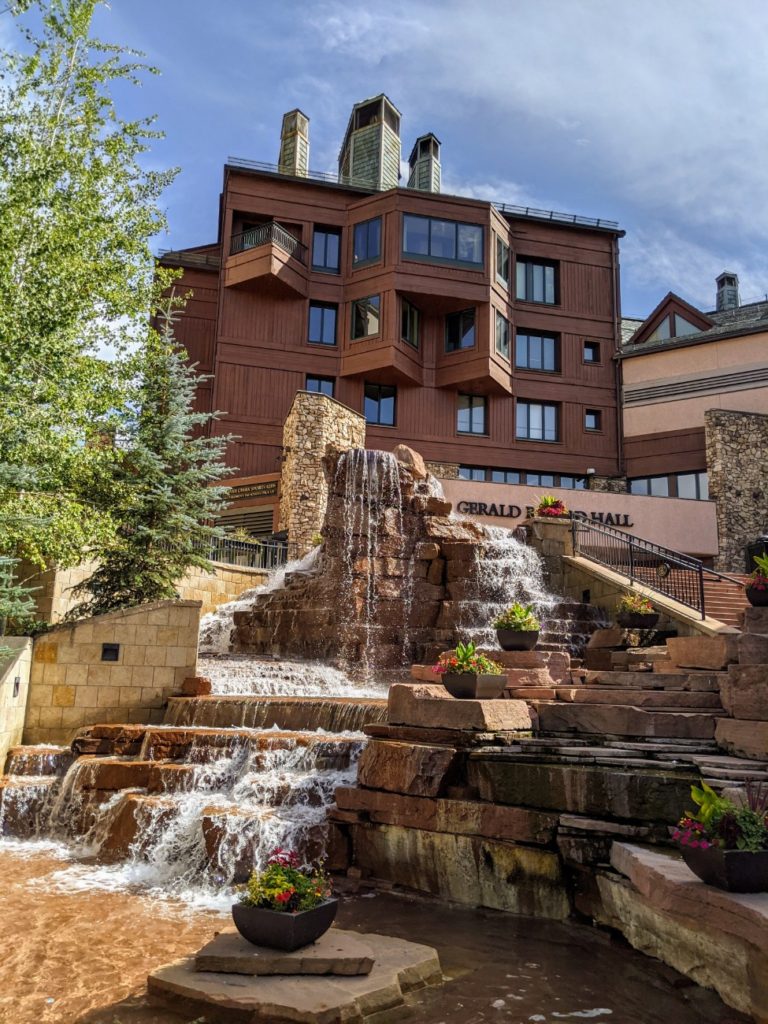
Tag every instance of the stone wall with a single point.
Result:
(12, 705)
(72, 686)
(607, 484)
(736, 444)
(317, 426)
(54, 597)
(443, 470)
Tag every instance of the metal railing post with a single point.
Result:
(631, 559)
(701, 591)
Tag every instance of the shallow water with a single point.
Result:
(81, 956)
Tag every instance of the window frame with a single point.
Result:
(460, 314)
(529, 263)
(323, 268)
(407, 308)
(323, 380)
(472, 470)
(672, 485)
(501, 319)
(374, 384)
(354, 303)
(598, 417)
(543, 406)
(324, 306)
(428, 257)
(594, 345)
(482, 402)
(542, 336)
(506, 253)
(367, 259)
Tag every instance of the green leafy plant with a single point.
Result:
(466, 659)
(518, 617)
(551, 507)
(759, 576)
(317, 540)
(241, 534)
(723, 823)
(634, 604)
(286, 886)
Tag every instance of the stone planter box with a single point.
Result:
(468, 686)
(278, 929)
(732, 870)
(517, 639)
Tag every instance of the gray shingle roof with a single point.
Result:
(746, 319)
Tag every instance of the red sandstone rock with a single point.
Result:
(431, 706)
(744, 692)
(606, 639)
(196, 686)
(707, 652)
(755, 620)
(128, 828)
(426, 551)
(412, 460)
(109, 739)
(753, 649)
(415, 769)
(112, 774)
(743, 738)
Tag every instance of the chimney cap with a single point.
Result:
(421, 138)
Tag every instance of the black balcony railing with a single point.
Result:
(270, 232)
(668, 572)
(256, 554)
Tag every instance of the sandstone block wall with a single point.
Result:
(72, 686)
(17, 665)
(54, 597)
(444, 470)
(317, 426)
(736, 444)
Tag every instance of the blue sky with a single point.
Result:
(649, 112)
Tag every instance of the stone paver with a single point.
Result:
(337, 952)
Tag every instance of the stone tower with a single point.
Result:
(294, 144)
(370, 153)
(424, 164)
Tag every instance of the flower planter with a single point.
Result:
(757, 596)
(732, 870)
(277, 929)
(636, 620)
(517, 639)
(468, 686)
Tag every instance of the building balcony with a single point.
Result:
(267, 258)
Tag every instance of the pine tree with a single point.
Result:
(164, 497)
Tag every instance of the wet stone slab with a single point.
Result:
(337, 952)
(399, 968)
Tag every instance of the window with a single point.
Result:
(320, 385)
(505, 476)
(536, 281)
(379, 404)
(536, 421)
(662, 332)
(502, 335)
(540, 479)
(365, 316)
(593, 419)
(683, 326)
(367, 241)
(322, 323)
(676, 485)
(460, 330)
(591, 352)
(325, 250)
(110, 652)
(502, 261)
(471, 414)
(537, 352)
(576, 483)
(443, 240)
(409, 324)
(472, 473)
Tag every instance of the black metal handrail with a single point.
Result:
(664, 570)
(255, 554)
(269, 232)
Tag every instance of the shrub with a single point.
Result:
(634, 604)
(466, 659)
(285, 886)
(518, 617)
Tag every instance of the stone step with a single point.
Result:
(687, 680)
(622, 720)
(639, 698)
(38, 760)
(24, 802)
(332, 714)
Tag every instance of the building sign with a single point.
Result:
(497, 509)
(259, 489)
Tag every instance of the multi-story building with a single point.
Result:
(484, 335)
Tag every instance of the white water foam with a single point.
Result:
(243, 675)
(216, 627)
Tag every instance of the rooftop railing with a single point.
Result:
(270, 232)
(330, 178)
